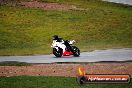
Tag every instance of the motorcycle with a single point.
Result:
(60, 49)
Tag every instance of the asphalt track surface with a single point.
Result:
(124, 54)
(129, 2)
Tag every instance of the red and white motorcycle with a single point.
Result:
(60, 49)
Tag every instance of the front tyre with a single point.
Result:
(75, 51)
(57, 53)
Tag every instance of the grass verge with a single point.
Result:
(51, 82)
(14, 63)
(25, 31)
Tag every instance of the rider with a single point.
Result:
(66, 42)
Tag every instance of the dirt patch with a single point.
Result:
(67, 70)
(49, 6)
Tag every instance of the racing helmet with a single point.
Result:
(55, 37)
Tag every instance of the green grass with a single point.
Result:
(14, 63)
(51, 82)
(102, 25)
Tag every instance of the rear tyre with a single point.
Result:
(57, 53)
(75, 51)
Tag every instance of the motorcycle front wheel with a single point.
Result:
(57, 53)
(75, 51)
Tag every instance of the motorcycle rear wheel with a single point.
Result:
(57, 53)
